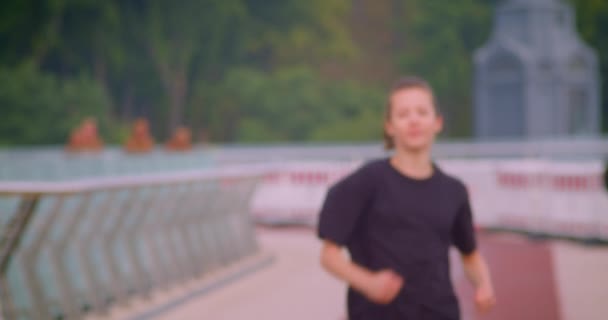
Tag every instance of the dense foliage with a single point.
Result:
(239, 70)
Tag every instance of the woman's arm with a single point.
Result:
(379, 287)
(478, 273)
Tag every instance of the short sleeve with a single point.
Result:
(463, 230)
(343, 207)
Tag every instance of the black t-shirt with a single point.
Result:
(387, 220)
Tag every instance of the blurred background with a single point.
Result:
(234, 70)
(198, 128)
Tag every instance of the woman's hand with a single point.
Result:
(484, 299)
(379, 287)
(477, 271)
(383, 286)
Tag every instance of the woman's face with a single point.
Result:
(413, 122)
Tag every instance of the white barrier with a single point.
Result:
(478, 175)
(561, 198)
(294, 193)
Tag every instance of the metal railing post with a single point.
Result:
(120, 282)
(86, 249)
(132, 240)
(9, 243)
(30, 262)
(69, 298)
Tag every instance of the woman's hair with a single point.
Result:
(404, 83)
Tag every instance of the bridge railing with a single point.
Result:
(69, 249)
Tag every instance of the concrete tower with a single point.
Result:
(535, 77)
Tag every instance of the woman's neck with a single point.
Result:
(417, 165)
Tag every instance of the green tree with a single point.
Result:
(270, 36)
(41, 108)
(293, 104)
(441, 38)
(592, 22)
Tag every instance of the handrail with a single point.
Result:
(129, 181)
(110, 239)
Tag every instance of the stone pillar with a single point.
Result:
(535, 77)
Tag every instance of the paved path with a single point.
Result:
(534, 281)
(294, 287)
(545, 280)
